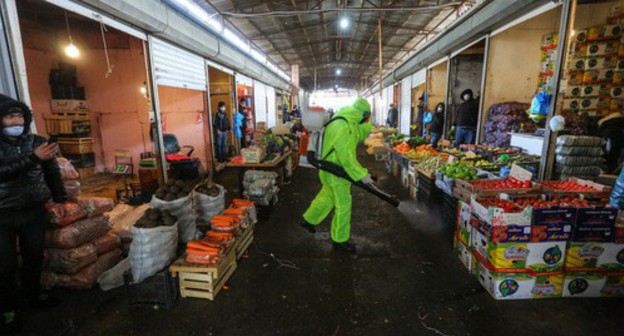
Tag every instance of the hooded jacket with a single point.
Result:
(221, 122)
(468, 111)
(342, 136)
(25, 181)
(437, 123)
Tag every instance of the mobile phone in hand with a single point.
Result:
(53, 138)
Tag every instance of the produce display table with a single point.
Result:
(278, 165)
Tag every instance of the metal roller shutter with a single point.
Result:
(406, 105)
(176, 67)
(260, 102)
(419, 78)
(271, 107)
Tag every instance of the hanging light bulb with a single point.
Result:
(71, 50)
(344, 23)
(338, 71)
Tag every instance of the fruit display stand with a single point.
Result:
(204, 281)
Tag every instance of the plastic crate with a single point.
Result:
(159, 290)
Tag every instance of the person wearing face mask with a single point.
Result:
(467, 117)
(437, 125)
(221, 125)
(29, 177)
(349, 126)
(240, 123)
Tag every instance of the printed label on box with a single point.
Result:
(595, 90)
(602, 62)
(593, 233)
(593, 284)
(550, 232)
(603, 48)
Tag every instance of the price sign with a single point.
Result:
(520, 173)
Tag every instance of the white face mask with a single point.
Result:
(466, 97)
(222, 109)
(13, 131)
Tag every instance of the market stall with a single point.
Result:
(245, 91)
(221, 86)
(466, 71)
(94, 96)
(521, 61)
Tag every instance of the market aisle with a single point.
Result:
(405, 268)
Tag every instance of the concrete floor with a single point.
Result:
(404, 280)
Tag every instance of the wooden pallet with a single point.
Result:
(244, 241)
(76, 145)
(203, 281)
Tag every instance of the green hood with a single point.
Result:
(355, 112)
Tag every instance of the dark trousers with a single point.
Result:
(465, 135)
(222, 148)
(27, 225)
(435, 138)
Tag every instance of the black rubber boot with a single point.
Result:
(345, 247)
(308, 226)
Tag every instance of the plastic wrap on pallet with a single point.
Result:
(578, 141)
(254, 175)
(578, 160)
(578, 151)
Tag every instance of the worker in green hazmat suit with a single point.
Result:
(339, 146)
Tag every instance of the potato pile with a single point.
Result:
(173, 190)
(155, 217)
(206, 187)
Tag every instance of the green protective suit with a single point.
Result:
(343, 137)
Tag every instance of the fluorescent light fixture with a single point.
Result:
(338, 72)
(72, 51)
(200, 14)
(258, 56)
(344, 23)
(236, 40)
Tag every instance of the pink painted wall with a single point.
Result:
(184, 115)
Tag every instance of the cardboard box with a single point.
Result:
(550, 40)
(464, 254)
(617, 92)
(580, 38)
(462, 195)
(596, 103)
(596, 90)
(618, 77)
(464, 227)
(598, 76)
(522, 285)
(603, 48)
(571, 104)
(593, 284)
(604, 32)
(575, 77)
(68, 105)
(574, 91)
(579, 49)
(595, 256)
(577, 64)
(551, 232)
(497, 216)
(616, 104)
(601, 62)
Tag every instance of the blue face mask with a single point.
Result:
(13, 131)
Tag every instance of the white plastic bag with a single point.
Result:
(152, 250)
(182, 209)
(113, 278)
(207, 206)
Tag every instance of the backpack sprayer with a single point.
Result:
(315, 158)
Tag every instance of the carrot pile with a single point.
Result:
(225, 228)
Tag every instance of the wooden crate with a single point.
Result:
(86, 172)
(66, 122)
(203, 281)
(244, 241)
(76, 145)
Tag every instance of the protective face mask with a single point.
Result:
(466, 97)
(222, 109)
(13, 131)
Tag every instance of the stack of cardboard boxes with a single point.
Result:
(541, 253)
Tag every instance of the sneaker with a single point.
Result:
(45, 301)
(308, 226)
(344, 247)
(10, 324)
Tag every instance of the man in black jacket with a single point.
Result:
(29, 177)
(393, 116)
(437, 125)
(221, 125)
(467, 119)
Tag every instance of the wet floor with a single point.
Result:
(404, 280)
